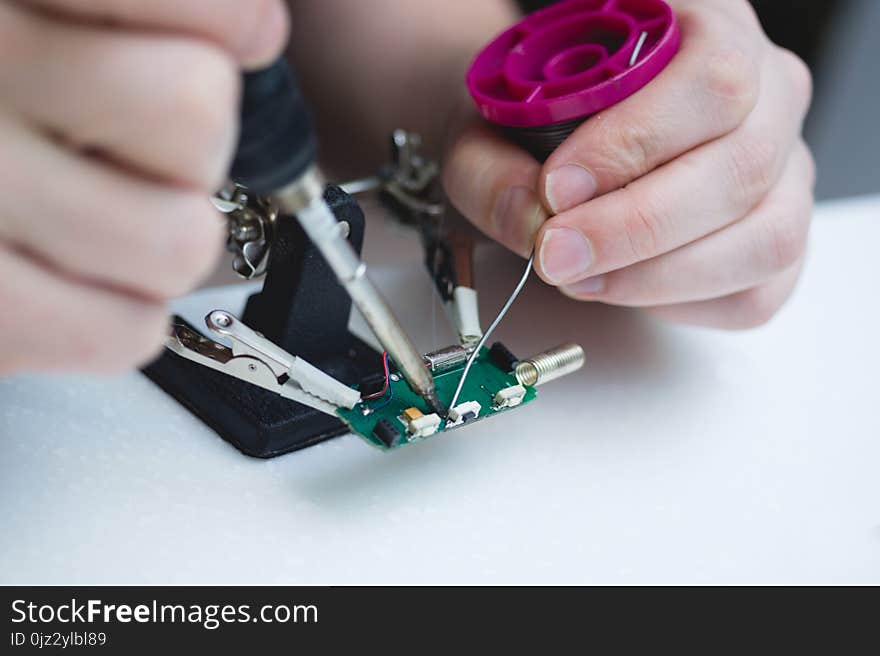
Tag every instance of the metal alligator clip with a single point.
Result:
(411, 181)
(449, 257)
(255, 360)
(250, 226)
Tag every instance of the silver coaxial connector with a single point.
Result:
(550, 365)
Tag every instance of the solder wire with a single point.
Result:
(491, 329)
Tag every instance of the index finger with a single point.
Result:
(252, 31)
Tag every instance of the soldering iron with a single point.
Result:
(276, 158)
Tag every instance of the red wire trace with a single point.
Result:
(387, 380)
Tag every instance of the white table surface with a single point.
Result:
(677, 455)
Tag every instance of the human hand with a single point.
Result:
(691, 199)
(117, 122)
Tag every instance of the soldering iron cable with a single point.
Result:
(488, 333)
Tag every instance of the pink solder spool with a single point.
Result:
(550, 72)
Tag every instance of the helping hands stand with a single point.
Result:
(302, 309)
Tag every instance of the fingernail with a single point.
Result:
(569, 186)
(586, 287)
(565, 255)
(516, 218)
(259, 47)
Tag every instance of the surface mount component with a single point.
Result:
(502, 357)
(409, 414)
(424, 426)
(510, 397)
(387, 433)
(446, 358)
(463, 413)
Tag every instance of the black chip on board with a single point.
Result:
(502, 358)
(387, 432)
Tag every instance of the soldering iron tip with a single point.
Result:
(435, 404)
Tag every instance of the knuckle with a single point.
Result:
(753, 161)
(732, 76)
(643, 226)
(784, 240)
(629, 148)
(204, 104)
(207, 85)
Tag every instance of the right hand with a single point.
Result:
(118, 120)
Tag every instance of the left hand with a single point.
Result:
(691, 198)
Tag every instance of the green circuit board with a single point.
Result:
(484, 381)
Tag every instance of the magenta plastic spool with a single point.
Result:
(557, 67)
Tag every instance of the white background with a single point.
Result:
(677, 455)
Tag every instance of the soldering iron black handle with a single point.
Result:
(277, 142)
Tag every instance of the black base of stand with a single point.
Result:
(305, 311)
